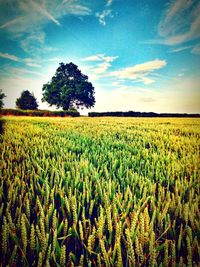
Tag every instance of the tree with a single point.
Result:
(27, 101)
(69, 88)
(2, 95)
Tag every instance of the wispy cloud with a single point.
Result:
(173, 16)
(109, 2)
(43, 11)
(137, 73)
(192, 34)
(77, 10)
(22, 71)
(180, 23)
(35, 65)
(33, 41)
(29, 18)
(34, 14)
(140, 72)
(179, 49)
(93, 58)
(103, 15)
(9, 56)
(100, 57)
(31, 63)
(196, 49)
(27, 61)
(12, 22)
(103, 66)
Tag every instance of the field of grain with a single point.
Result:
(100, 192)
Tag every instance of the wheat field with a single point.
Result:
(100, 192)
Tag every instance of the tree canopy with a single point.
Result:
(27, 101)
(2, 95)
(69, 88)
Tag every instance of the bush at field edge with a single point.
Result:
(39, 113)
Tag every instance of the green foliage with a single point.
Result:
(26, 101)
(69, 88)
(2, 96)
(100, 192)
(40, 113)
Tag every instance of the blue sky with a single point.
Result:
(140, 55)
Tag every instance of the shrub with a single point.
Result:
(39, 113)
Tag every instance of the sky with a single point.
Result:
(140, 55)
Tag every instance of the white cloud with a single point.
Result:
(180, 23)
(109, 2)
(109, 58)
(101, 68)
(93, 58)
(103, 15)
(100, 57)
(173, 96)
(147, 80)
(139, 71)
(9, 56)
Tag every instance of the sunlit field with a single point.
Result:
(100, 192)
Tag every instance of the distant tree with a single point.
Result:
(2, 95)
(27, 101)
(69, 88)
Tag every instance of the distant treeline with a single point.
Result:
(39, 113)
(141, 114)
